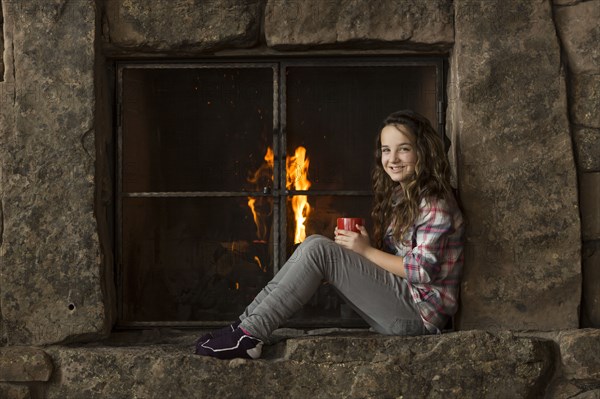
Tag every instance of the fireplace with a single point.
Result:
(223, 168)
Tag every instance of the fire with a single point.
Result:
(260, 266)
(259, 213)
(297, 178)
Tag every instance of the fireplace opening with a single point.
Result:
(223, 168)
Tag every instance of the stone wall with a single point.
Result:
(580, 36)
(1, 46)
(523, 95)
(507, 117)
(51, 277)
(516, 175)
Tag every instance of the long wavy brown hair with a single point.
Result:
(431, 178)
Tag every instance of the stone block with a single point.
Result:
(565, 2)
(50, 255)
(21, 363)
(180, 26)
(579, 353)
(317, 23)
(579, 33)
(591, 284)
(462, 365)
(1, 46)
(589, 201)
(574, 389)
(516, 170)
(590, 394)
(13, 391)
(587, 147)
(585, 99)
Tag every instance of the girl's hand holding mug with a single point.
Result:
(350, 233)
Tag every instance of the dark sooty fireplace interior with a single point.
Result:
(223, 168)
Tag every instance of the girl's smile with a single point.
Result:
(398, 154)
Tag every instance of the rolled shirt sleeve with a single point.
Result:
(430, 238)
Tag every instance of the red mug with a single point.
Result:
(350, 223)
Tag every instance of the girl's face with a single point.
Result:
(398, 153)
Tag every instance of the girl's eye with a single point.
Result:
(385, 150)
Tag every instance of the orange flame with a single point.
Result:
(260, 266)
(264, 172)
(297, 178)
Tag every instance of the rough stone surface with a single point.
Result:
(1, 46)
(182, 25)
(590, 307)
(585, 99)
(593, 394)
(587, 145)
(508, 119)
(462, 365)
(565, 2)
(20, 363)
(12, 391)
(575, 390)
(579, 32)
(49, 255)
(580, 353)
(317, 23)
(589, 198)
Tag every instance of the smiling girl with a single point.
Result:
(403, 281)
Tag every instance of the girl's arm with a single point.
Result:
(359, 243)
(389, 262)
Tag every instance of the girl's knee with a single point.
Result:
(316, 240)
(313, 237)
(314, 247)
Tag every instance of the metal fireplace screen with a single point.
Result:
(224, 168)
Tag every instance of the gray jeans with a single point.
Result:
(381, 298)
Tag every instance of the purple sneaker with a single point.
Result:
(217, 333)
(236, 344)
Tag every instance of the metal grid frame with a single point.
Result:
(279, 193)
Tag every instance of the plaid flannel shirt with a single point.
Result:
(433, 259)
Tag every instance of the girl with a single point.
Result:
(404, 281)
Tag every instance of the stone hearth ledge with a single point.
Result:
(323, 363)
(467, 364)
